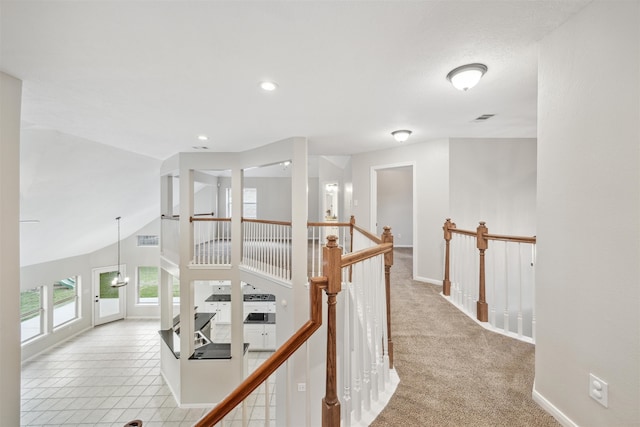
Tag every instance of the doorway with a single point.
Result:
(393, 204)
(108, 301)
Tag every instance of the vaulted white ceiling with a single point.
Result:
(139, 80)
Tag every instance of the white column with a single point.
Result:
(10, 98)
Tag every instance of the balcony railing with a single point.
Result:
(363, 340)
(496, 284)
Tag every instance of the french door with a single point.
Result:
(109, 303)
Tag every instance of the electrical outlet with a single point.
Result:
(399, 236)
(302, 386)
(599, 390)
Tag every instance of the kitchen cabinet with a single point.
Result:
(259, 307)
(222, 309)
(260, 336)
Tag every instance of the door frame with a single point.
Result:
(373, 208)
(95, 289)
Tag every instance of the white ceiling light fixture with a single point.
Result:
(119, 281)
(401, 135)
(203, 138)
(268, 86)
(466, 76)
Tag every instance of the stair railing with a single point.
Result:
(334, 266)
(511, 278)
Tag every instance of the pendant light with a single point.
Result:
(119, 281)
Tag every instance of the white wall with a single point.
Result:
(494, 180)
(432, 189)
(588, 275)
(10, 100)
(47, 273)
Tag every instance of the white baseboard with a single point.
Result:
(551, 409)
(428, 280)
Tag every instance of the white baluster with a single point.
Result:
(533, 293)
(346, 356)
(506, 291)
(494, 299)
(519, 290)
(267, 408)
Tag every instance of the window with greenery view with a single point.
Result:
(65, 301)
(31, 313)
(148, 291)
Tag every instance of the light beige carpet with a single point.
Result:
(452, 371)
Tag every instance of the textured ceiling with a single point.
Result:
(142, 79)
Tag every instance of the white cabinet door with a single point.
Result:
(224, 311)
(254, 335)
(270, 337)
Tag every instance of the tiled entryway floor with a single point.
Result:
(109, 376)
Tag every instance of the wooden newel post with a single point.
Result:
(331, 267)
(446, 283)
(387, 237)
(483, 244)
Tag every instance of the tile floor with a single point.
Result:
(109, 376)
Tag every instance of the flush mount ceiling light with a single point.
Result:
(466, 76)
(401, 135)
(119, 281)
(268, 86)
(203, 138)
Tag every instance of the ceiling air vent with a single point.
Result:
(483, 117)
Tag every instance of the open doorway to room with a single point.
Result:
(393, 204)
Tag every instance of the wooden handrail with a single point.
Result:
(361, 255)
(265, 370)
(518, 239)
(266, 221)
(464, 232)
(369, 235)
(482, 244)
(328, 224)
(192, 219)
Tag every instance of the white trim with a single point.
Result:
(428, 280)
(56, 344)
(383, 399)
(488, 325)
(551, 409)
(373, 206)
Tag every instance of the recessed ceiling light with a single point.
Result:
(203, 137)
(269, 86)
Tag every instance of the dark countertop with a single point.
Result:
(260, 318)
(245, 297)
(215, 351)
(218, 297)
(201, 320)
(259, 297)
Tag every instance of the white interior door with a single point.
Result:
(108, 302)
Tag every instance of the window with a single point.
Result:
(147, 240)
(249, 203)
(65, 301)
(148, 285)
(31, 313)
